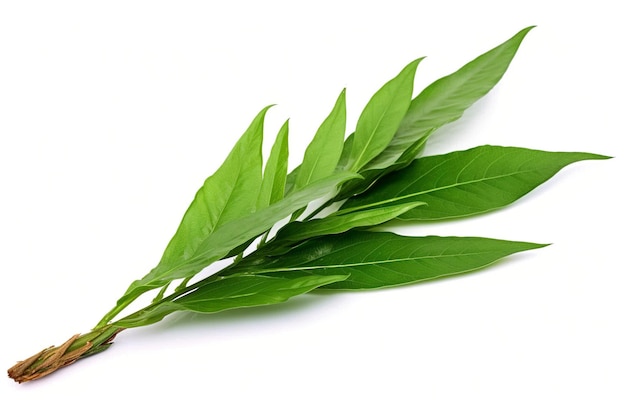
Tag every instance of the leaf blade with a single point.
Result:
(446, 99)
(381, 117)
(275, 174)
(233, 292)
(383, 259)
(323, 153)
(226, 195)
(466, 183)
(340, 222)
(372, 174)
(231, 235)
(258, 290)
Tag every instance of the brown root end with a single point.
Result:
(48, 361)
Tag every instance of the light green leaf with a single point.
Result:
(290, 183)
(230, 193)
(233, 292)
(344, 160)
(322, 154)
(275, 174)
(381, 117)
(231, 235)
(371, 175)
(381, 259)
(446, 99)
(467, 182)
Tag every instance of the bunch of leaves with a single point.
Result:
(311, 229)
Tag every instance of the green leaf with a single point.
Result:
(446, 99)
(467, 182)
(381, 117)
(371, 175)
(322, 154)
(251, 290)
(340, 222)
(442, 102)
(233, 292)
(381, 259)
(231, 235)
(230, 193)
(344, 159)
(290, 183)
(274, 177)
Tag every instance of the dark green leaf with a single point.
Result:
(446, 99)
(340, 222)
(380, 259)
(467, 182)
(233, 292)
(251, 290)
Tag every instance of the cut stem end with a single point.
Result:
(53, 358)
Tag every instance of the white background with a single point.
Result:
(113, 113)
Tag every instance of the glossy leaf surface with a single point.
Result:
(231, 192)
(381, 117)
(233, 234)
(322, 154)
(233, 292)
(382, 259)
(467, 182)
(446, 99)
(341, 222)
(371, 175)
(275, 173)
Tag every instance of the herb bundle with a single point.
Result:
(288, 233)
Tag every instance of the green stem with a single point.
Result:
(112, 313)
(179, 292)
(101, 337)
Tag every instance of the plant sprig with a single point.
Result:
(327, 208)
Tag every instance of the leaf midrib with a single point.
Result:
(432, 190)
(384, 261)
(369, 140)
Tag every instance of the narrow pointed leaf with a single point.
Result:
(290, 183)
(251, 290)
(446, 99)
(233, 234)
(467, 182)
(381, 117)
(381, 259)
(275, 174)
(231, 192)
(344, 160)
(322, 154)
(340, 222)
(233, 292)
(372, 174)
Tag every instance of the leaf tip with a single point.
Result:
(412, 66)
(265, 109)
(522, 33)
